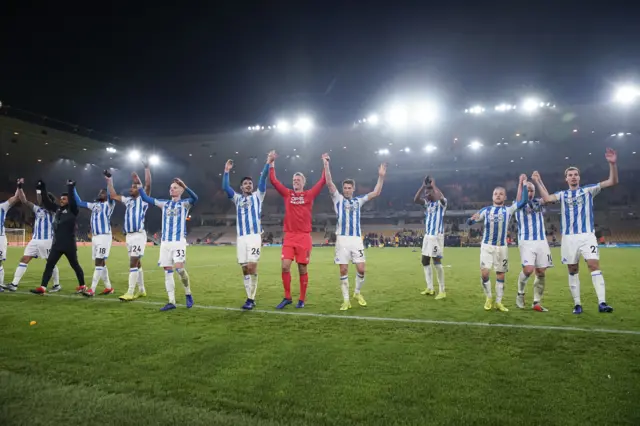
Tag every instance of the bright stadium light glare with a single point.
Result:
(504, 107)
(134, 155)
(407, 150)
(475, 145)
(373, 119)
(430, 148)
(283, 126)
(425, 114)
(304, 124)
(383, 151)
(530, 105)
(397, 116)
(475, 110)
(626, 94)
(111, 150)
(154, 160)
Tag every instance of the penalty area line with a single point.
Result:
(366, 318)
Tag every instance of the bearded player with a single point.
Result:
(349, 246)
(249, 227)
(494, 252)
(535, 254)
(297, 244)
(578, 228)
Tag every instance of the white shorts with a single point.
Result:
(349, 249)
(3, 247)
(101, 246)
(248, 248)
(496, 257)
(433, 246)
(172, 252)
(580, 244)
(38, 249)
(535, 253)
(136, 242)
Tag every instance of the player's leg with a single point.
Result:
(426, 266)
(344, 284)
(98, 263)
(538, 289)
(287, 259)
(166, 263)
(52, 260)
(179, 259)
(19, 273)
(303, 257)
(438, 253)
(72, 257)
(253, 257)
(106, 245)
(304, 283)
(527, 260)
(141, 245)
(242, 255)
(591, 254)
(134, 261)
(142, 291)
(486, 263)
(360, 271)
(3, 257)
(570, 252)
(501, 266)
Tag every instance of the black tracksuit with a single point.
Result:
(64, 236)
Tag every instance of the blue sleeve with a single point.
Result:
(146, 198)
(79, 202)
(193, 197)
(262, 183)
(225, 185)
(525, 198)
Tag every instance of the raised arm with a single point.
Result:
(382, 172)
(151, 200)
(315, 189)
(523, 178)
(73, 200)
(16, 197)
(262, 183)
(419, 198)
(111, 190)
(522, 188)
(76, 198)
(477, 217)
(612, 158)
(327, 173)
(46, 201)
(225, 180)
(282, 190)
(437, 194)
(23, 198)
(147, 179)
(193, 198)
(546, 197)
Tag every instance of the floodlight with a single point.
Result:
(430, 148)
(154, 160)
(283, 126)
(397, 116)
(475, 110)
(627, 94)
(531, 105)
(475, 145)
(407, 150)
(111, 149)
(304, 124)
(373, 119)
(134, 155)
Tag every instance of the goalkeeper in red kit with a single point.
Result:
(296, 245)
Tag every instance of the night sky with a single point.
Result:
(155, 70)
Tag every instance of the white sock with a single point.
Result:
(359, 282)
(428, 275)
(56, 276)
(538, 289)
(344, 285)
(141, 281)
(97, 274)
(170, 285)
(184, 277)
(133, 277)
(574, 288)
(247, 285)
(1, 274)
(22, 268)
(254, 286)
(522, 282)
(499, 290)
(486, 287)
(598, 284)
(440, 275)
(105, 277)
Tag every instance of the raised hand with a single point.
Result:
(71, 182)
(382, 170)
(39, 184)
(271, 157)
(179, 182)
(611, 155)
(475, 217)
(145, 162)
(20, 182)
(135, 178)
(325, 157)
(535, 176)
(523, 178)
(228, 166)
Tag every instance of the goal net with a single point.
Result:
(16, 237)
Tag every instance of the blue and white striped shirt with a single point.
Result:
(174, 215)
(43, 225)
(530, 220)
(101, 212)
(136, 209)
(496, 221)
(577, 209)
(434, 216)
(4, 208)
(348, 214)
(248, 213)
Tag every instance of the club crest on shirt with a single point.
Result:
(574, 201)
(245, 202)
(497, 218)
(97, 208)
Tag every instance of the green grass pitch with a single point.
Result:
(100, 361)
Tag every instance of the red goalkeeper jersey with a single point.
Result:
(297, 205)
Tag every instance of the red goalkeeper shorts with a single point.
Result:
(297, 247)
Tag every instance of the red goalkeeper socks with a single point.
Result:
(304, 282)
(286, 283)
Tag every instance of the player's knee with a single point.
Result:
(437, 261)
(24, 259)
(302, 269)
(573, 269)
(426, 260)
(344, 270)
(593, 265)
(500, 276)
(360, 269)
(134, 263)
(540, 273)
(527, 270)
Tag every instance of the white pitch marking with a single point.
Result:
(382, 319)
